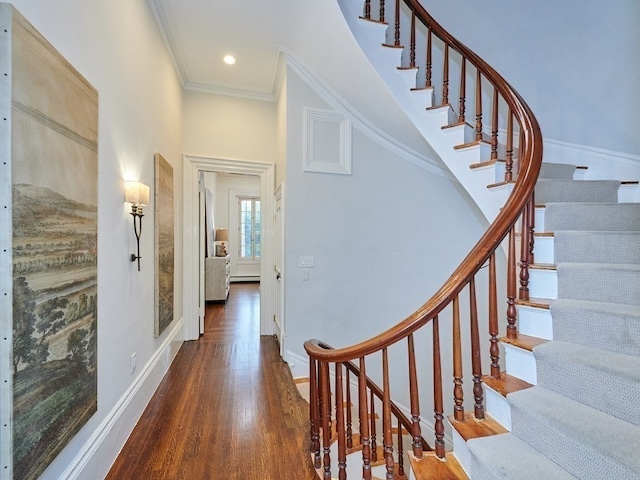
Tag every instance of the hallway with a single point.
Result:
(226, 410)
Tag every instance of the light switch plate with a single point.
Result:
(306, 262)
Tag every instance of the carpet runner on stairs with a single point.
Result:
(582, 418)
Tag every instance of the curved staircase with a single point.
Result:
(560, 399)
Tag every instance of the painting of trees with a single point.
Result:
(53, 189)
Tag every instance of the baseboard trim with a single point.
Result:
(100, 451)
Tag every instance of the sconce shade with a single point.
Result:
(136, 193)
(222, 235)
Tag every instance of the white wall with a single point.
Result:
(116, 45)
(575, 63)
(229, 127)
(384, 238)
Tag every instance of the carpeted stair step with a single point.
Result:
(597, 247)
(623, 217)
(582, 440)
(608, 326)
(600, 282)
(507, 457)
(559, 190)
(550, 170)
(607, 381)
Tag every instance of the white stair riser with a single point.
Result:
(424, 97)
(543, 250)
(539, 219)
(535, 322)
(463, 454)
(629, 193)
(543, 283)
(520, 363)
(408, 77)
(497, 407)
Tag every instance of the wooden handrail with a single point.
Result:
(524, 169)
(530, 160)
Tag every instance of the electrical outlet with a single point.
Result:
(133, 363)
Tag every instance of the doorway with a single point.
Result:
(193, 292)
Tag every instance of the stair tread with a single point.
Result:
(572, 370)
(618, 308)
(471, 427)
(574, 435)
(474, 143)
(506, 384)
(430, 467)
(525, 342)
(542, 266)
(507, 456)
(535, 302)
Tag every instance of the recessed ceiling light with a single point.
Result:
(229, 59)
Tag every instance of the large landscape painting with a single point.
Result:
(54, 171)
(164, 244)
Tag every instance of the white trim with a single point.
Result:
(312, 161)
(6, 249)
(166, 32)
(90, 462)
(193, 290)
(262, 96)
(339, 104)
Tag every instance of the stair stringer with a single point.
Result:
(429, 121)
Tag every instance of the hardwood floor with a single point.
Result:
(227, 408)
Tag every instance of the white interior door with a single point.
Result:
(278, 301)
(201, 250)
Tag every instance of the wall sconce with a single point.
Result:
(221, 239)
(137, 194)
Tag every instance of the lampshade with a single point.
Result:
(136, 193)
(222, 235)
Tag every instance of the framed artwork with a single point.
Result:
(164, 241)
(54, 196)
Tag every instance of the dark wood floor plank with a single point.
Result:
(227, 408)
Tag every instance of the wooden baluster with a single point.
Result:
(412, 49)
(494, 349)
(314, 404)
(367, 9)
(524, 253)
(386, 418)
(458, 396)
(476, 360)
(415, 402)
(396, 37)
(382, 11)
(532, 225)
(429, 63)
(438, 408)
(508, 168)
(494, 126)
(364, 422)
(374, 445)
(511, 286)
(478, 105)
(463, 88)
(349, 414)
(326, 422)
(400, 452)
(340, 432)
(445, 76)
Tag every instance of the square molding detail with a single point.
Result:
(327, 142)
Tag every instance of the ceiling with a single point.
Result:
(201, 32)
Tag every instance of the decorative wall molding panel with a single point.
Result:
(327, 142)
